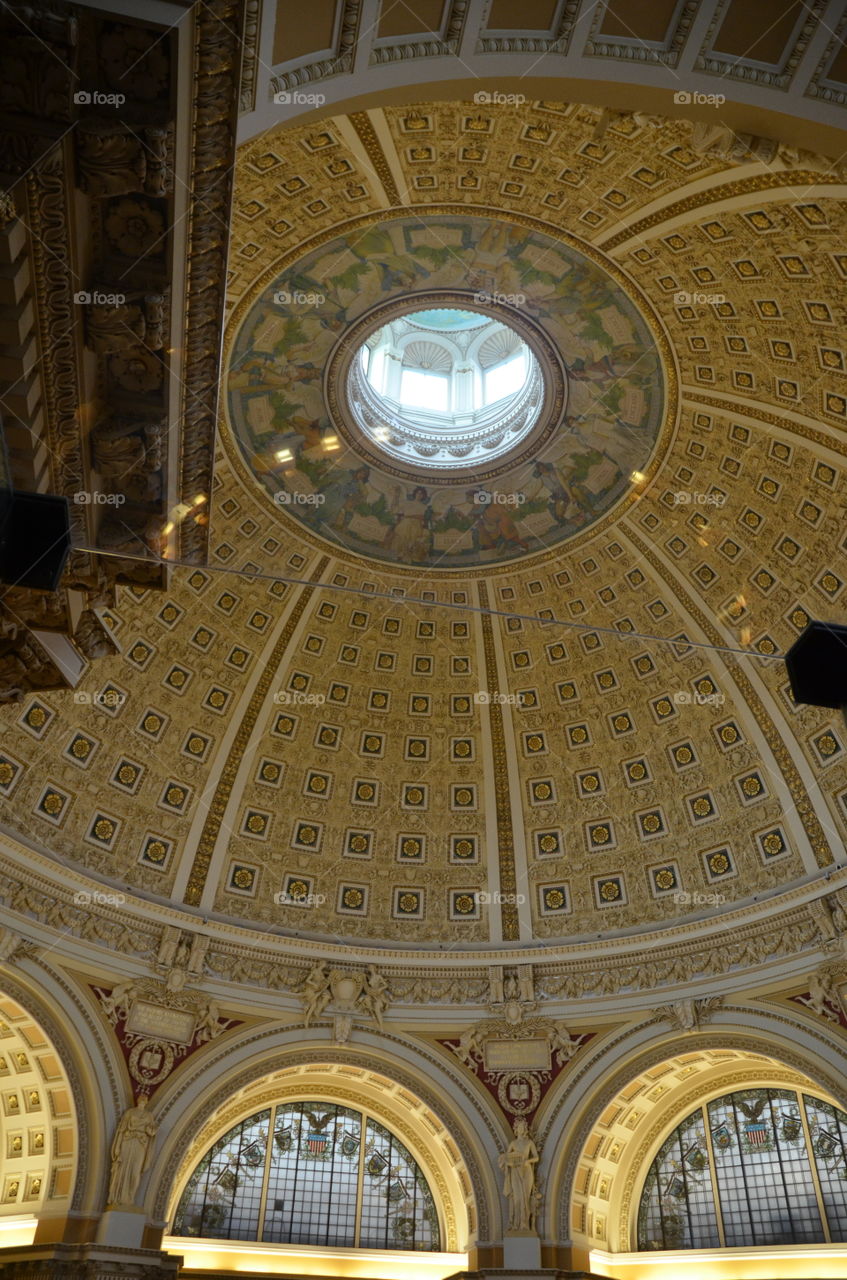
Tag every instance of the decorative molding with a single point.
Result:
(557, 43)
(425, 46)
(217, 46)
(634, 49)
(782, 178)
(735, 68)
(502, 790)
(341, 63)
(366, 133)
(250, 54)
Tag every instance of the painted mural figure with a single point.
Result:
(493, 527)
(411, 538)
(560, 503)
(343, 496)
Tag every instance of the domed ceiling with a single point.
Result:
(485, 745)
(602, 389)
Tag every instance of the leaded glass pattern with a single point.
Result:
(301, 1174)
(755, 1167)
(392, 1177)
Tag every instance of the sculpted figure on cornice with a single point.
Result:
(24, 665)
(688, 1014)
(92, 638)
(345, 994)
(181, 956)
(139, 320)
(823, 998)
(114, 159)
(129, 451)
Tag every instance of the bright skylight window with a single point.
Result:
(420, 390)
(506, 378)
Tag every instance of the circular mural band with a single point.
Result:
(305, 426)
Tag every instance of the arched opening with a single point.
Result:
(315, 1173)
(711, 1163)
(38, 1150)
(325, 1170)
(756, 1166)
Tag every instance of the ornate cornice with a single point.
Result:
(217, 53)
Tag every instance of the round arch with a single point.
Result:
(55, 1027)
(601, 1131)
(412, 1091)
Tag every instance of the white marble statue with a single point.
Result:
(132, 1149)
(518, 1165)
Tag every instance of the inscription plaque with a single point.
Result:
(517, 1055)
(148, 1019)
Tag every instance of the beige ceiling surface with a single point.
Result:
(329, 744)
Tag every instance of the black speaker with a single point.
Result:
(817, 665)
(35, 541)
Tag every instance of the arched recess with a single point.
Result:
(51, 1023)
(442, 1123)
(600, 1141)
(40, 1147)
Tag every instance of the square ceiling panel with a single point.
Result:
(647, 20)
(303, 30)
(759, 30)
(522, 15)
(410, 17)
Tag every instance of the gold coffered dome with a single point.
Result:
(536, 720)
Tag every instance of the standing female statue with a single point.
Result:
(518, 1165)
(132, 1147)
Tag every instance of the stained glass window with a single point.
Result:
(756, 1167)
(310, 1173)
